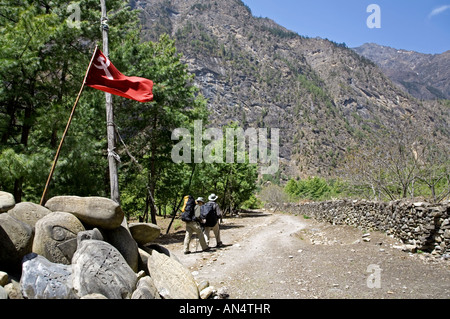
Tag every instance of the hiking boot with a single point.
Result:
(207, 249)
(187, 252)
(219, 244)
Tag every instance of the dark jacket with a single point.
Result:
(210, 212)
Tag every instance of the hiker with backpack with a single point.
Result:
(211, 213)
(193, 222)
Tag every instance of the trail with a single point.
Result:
(282, 256)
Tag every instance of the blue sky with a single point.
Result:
(418, 25)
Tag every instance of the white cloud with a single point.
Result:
(438, 10)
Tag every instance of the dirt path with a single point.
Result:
(281, 256)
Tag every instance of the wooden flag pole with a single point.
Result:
(110, 130)
(65, 131)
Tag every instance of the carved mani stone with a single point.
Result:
(98, 267)
(29, 213)
(42, 279)
(16, 240)
(56, 237)
(172, 279)
(94, 211)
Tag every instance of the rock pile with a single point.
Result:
(83, 248)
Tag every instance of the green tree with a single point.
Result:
(43, 59)
(232, 181)
(147, 127)
(292, 187)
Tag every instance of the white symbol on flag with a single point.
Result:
(105, 63)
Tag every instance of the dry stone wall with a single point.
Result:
(422, 225)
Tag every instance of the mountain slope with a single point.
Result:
(425, 76)
(325, 98)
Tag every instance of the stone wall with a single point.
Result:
(420, 224)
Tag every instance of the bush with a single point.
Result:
(252, 203)
(314, 188)
(273, 194)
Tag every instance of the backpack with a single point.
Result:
(208, 212)
(188, 209)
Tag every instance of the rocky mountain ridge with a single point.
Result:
(324, 97)
(425, 76)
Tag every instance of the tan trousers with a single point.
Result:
(216, 231)
(194, 228)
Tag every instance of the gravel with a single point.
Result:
(282, 256)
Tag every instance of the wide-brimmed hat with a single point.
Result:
(200, 199)
(213, 197)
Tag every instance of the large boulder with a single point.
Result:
(94, 296)
(16, 240)
(146, 289)
(160, 249)
(93, 211)
(4, 294)
(7, 201)
(146, 251)
(56, 237)
(122, 240)
(28, 212)
(13, 289)
(172, 279)
(42, 279)
(94, 234)
(4, 278)
(143, 260)
(99, 268)
(144, 233)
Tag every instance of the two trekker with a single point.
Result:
(201, 219)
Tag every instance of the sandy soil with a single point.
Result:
(281, 256)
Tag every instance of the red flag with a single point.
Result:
(104, 76)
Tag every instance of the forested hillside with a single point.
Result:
(424, 76)
(340, 117)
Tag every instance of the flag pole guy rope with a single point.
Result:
(66, 130)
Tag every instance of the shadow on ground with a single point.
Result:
(178, 236)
